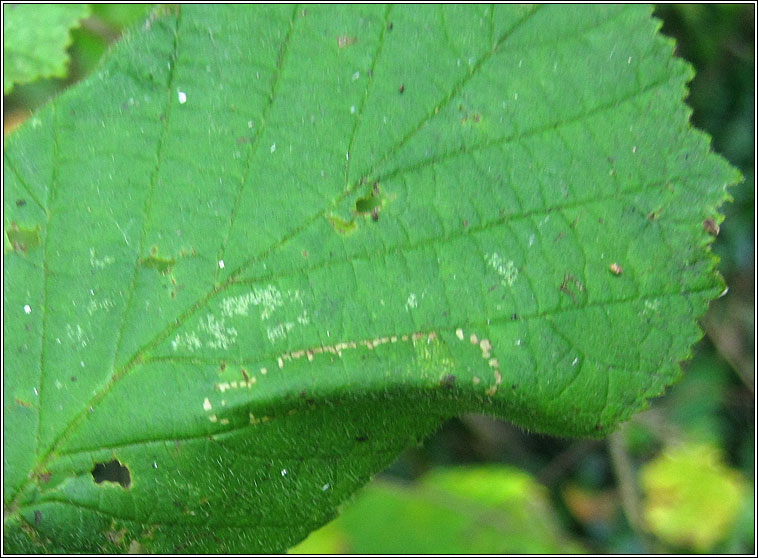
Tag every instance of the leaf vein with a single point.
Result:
(258, 133)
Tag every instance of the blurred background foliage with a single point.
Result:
(678, 477)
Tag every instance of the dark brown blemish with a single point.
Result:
(401, 89)
(20, 203)
(447, 381)
(389, 26)
(568, 278)
(710, 226)
(37, 517)
(361, 438)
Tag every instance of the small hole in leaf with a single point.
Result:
(366, 205)
(112, 471)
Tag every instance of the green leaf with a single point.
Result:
(35, 39)
(467, 510)
(218, 314)
(691, 497)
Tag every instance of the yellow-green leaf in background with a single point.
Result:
(691, 496)
(466, 510)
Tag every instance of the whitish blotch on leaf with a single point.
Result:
(505, 269)
(346, 40)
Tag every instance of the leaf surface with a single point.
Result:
(266, 248)
(35, 38)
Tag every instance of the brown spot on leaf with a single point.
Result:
(22, 239)
(710, 226)
(447, 381)
(115, 536)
